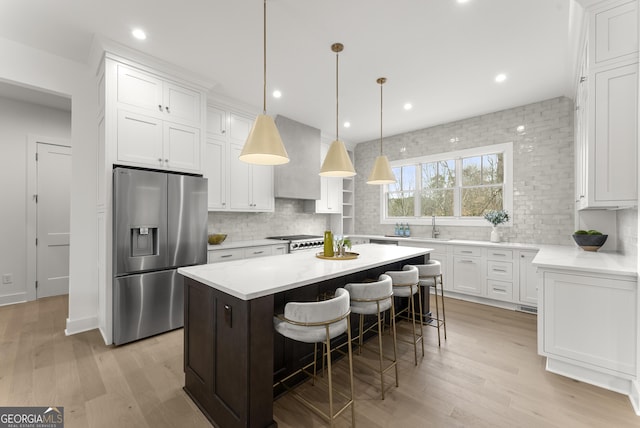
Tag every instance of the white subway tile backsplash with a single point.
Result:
(543, 209)
(288, 218)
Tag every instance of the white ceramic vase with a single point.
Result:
(495, 235)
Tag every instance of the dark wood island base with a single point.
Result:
(231, 353)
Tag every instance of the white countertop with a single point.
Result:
(257, 277)
(575, 258)
(244, 244)
(549, 256)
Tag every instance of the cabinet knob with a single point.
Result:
(224, 131)
(224, 204)
(159, 107)
(583, 79)
(167, 108)
(160, 160)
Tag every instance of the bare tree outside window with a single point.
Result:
(462, 187)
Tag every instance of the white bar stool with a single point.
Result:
(406, 284)
(375, 298)
(430, 276)
(319, 322)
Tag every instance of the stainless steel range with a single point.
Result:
(302, 242)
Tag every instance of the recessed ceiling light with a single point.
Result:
(277, 94)
(139, 34)
(347, 124)
(501, 78)
(463, 1)
(520, 128)
(408, 106)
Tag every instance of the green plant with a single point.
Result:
(496, 217)
(587, 232)
(347, 243)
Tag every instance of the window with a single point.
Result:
(457, 187)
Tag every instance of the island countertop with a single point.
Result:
(252, 278)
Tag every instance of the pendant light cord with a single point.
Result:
(381, 118)
(264, 57)
(337, 54)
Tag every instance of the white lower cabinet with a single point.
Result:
(214, 256)
(263, 251)
(587, 327)
(500, 290)
(528, 279)
(486, 273)
(468, 271)
(224, 255)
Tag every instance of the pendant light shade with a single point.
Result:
(381, 173)
(337, 163)
(264, 145)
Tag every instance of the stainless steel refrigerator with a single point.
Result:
(159, 225)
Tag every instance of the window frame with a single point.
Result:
(507, 152)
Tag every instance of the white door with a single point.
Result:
(53, 183)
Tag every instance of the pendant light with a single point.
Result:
(381, 173)
(337, 163)
(264, 145)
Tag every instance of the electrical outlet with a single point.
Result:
(7, 278)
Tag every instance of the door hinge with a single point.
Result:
(35, 197)
(36, 157)
(36, 284)
(36, 242)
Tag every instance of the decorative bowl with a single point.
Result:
(217, 238)
(590, 242)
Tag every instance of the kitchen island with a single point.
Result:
(232, 356)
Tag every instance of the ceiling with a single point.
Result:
(440, 55)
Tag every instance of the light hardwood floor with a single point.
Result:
(487, 374)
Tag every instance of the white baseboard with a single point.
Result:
(104, 337)
(634, 396)
(80, 325)
(10, 299)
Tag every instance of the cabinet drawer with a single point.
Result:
(467, 251)
(500, 290)
(499, 270)
(258, 251)
(224, 255)
(499, 254)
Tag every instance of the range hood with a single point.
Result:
(299, 178)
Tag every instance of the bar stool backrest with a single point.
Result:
(364, 295)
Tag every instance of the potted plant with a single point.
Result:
(496, 217)
(589, 240)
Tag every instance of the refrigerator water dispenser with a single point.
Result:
(144, 241)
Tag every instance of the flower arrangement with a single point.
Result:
(496, 217)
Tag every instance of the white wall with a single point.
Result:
(41, 70)
(17, 120)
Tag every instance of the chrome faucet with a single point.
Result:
(434, 232)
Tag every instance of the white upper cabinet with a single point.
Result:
(216, 122)
(613, 32)
(606, 118)
(330, 201)
(613, 139)
(158, 122)
(251, 186)
(216, 169)
(158, 97)
(234, 185)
